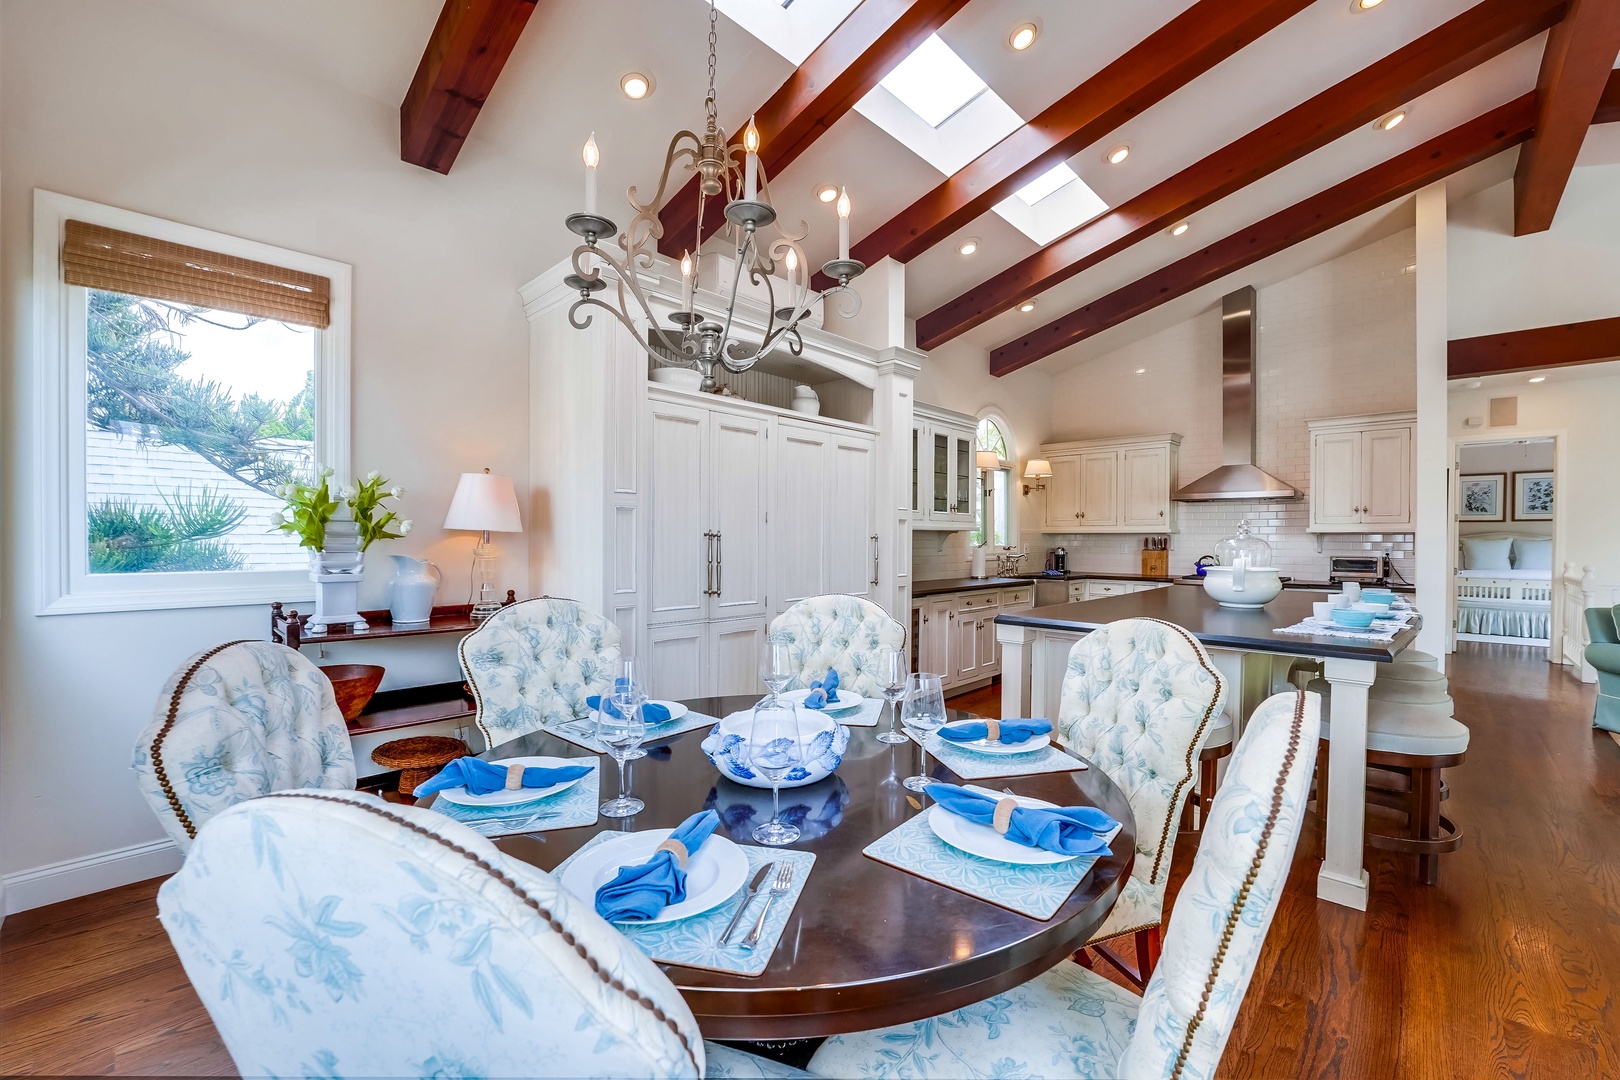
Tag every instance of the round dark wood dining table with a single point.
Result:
(867, 945)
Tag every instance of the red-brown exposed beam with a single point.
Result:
(1458, 148)
(864, 48)
(1526, 350)
(1168, 59)
(1608, 110)
(469, 46)
(1481, 32)
(1574, 71)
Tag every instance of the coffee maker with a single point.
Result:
(1057, 561)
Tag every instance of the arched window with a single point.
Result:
(992, 437)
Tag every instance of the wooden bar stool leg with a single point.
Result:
(1425, 819)
(1207, 779)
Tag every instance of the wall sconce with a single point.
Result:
(1038, 469)
(988, 461)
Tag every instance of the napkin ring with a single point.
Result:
(1004, 812)
(675, 848)
(992, 733)
(514, 776)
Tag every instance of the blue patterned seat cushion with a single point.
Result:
(845, 633)
(534, 663)
(253, 718)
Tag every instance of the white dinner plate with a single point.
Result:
(676, 710)
(462, 797)
(986, 843)
(714, 873)
(985, 746)
(847, 700)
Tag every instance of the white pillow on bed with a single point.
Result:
(1532, 554)
(1481, 554)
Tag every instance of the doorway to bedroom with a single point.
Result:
(1505, 517)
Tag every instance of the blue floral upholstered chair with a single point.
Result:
(1140, 699)
(332, 934)
(1604, 655)
(842, 632)
(235, 722)
(1071, 1022)
(535, 662)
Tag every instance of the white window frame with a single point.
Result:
(1007, 472)
(65, 585)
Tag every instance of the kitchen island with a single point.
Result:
(1252, 657)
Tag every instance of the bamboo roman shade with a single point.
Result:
(101, 258)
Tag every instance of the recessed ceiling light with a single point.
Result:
(1364, 5)
(1027, 306)
(1391, 122)
(1141, 371)
(1118, 154)
(1180, 227)
(1023, 37)
(1536, 378)
(636, 85)
(969, 246)
(1475, 384)
(827, 192)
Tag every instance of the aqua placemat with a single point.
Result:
(566, 810)
(865, 716)
(695, 942)
(579, 732)
(1035, 891)
(971, 766)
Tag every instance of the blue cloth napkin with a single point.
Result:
(638, 893)
(823, 692)
(1067, 830)
(1012, 731)
(651, 714)
(481, 778)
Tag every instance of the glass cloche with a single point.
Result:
(1245, 546)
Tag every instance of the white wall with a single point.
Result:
(1507, 459)
(214, 133)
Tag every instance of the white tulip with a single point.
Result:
(405, 527)
(345, 492)
(373, 476)
(277, 518)
(325, 471)
(397, 491)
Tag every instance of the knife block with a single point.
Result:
(1155, 563)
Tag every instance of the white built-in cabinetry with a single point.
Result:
(955, 633)
(1362, 473)
(1111, 485)
(942, 469)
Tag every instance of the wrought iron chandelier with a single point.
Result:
(729, 170)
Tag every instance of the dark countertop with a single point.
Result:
(1231, 628)
(1300, 583)
(967, 584)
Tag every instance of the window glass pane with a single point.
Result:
(976, 537)
(1002, 481)
(193, 417)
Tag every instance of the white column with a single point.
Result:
(1431, 492)
(1342, 879)
(892, 401)
(1017, 669)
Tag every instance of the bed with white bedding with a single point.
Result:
(1504, 588)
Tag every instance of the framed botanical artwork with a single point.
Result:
(1532, 496)
(1480, 497)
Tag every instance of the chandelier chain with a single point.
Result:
(714, 40)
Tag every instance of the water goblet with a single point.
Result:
(891, 679)
(773, 749)
(777, 669)
(625, 679)
(621, 729)
(922, 714)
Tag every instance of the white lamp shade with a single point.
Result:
(988, 459)
(484, 503)
(1037, 469)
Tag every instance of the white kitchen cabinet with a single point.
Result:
(934, 651)
(1144, 487)
(737, 489)
(1361, 473)
(1096, 590)
(1111, 485)
(734, 647)
(942, 469)
(973, 648)
(1063, 496)
(688, 660)
(1099, 488)
(804, 486)
(853, 543)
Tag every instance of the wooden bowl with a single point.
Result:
(353, 684)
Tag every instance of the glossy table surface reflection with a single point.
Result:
(867, 945)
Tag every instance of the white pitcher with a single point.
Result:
(411, 590)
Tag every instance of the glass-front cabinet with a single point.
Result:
(942, 469)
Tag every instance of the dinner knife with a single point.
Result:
(761, 876)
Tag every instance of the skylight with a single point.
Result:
(792, 31)
(1048, 182)
(933, 82)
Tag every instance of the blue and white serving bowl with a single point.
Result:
(823, 738)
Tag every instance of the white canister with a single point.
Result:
(1352, 589)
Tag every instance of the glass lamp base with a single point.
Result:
(775, 833)
(623, 806)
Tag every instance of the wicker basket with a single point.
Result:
(418, 758)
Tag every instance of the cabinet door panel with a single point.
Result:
(849, 513)
(962, 476)
(1145, 498)
(1099, 488)
(1336, 478)
(1386, 476)
(678, 665)
(734, 648)
(738, 474)
(964, 647)
(1063, 495)
(800, 528)
(989, 652)
(940, 455)
(936, 642)
(678, 557)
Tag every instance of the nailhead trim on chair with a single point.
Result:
(550, 919)
(1170, 820)
(1236, 913)
(168, 723)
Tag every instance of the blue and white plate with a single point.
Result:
(846, 700)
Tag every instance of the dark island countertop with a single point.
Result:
(1227, 628)
(968, 584)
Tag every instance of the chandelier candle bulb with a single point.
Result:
(686, 281)
(592, 157)
(751, 162)
(843, 224)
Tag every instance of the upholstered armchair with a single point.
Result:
(535, 662)
(1604, 654)
(236, 722)
(333, 934)
(1140, 700)
(842, 632)
(1072, 1022)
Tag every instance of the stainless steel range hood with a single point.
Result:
(1238, 477)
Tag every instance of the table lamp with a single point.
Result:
(484, 504)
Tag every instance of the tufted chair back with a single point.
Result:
(1139, 698)
(235, 722)
(1227, 903)
(843, 632)
(535, 662)
(337, 935)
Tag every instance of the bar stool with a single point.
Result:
(1217, 746)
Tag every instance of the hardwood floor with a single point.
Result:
(1509, 967)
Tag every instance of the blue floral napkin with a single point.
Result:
(823, 692)
(638, 893)
(1066, 830)
(481, 778)
(1012, 732)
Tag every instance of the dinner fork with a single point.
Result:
(783, 882)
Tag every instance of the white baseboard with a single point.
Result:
(65, 880)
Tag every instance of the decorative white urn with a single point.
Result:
(336, 572)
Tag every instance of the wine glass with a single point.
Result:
(625, 678)
(773, 749)
(923, 714)
(891, 678)
(621, 730)
(777, 669)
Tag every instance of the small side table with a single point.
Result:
(418, 758)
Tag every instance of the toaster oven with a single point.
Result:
(1364, 569)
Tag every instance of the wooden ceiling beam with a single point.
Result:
(1575, 70)
(464, 56)
(1525, 350)
(864, 48)
(1483, 31)
(1168, 59)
